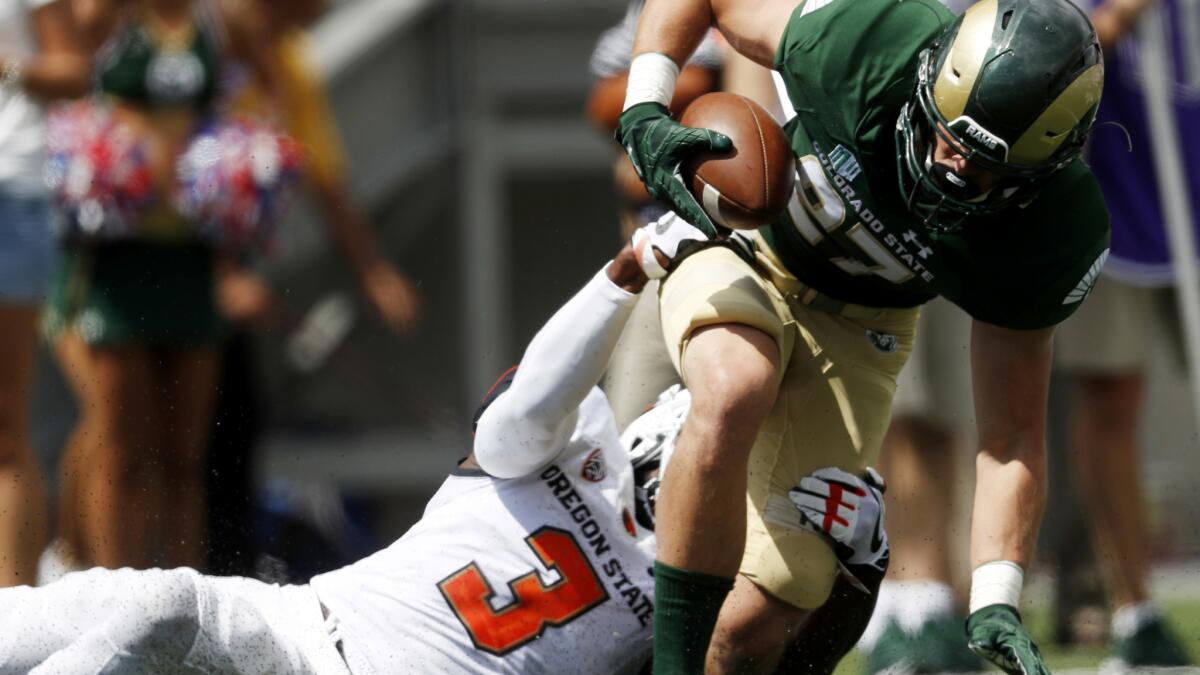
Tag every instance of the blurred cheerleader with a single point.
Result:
(247, 299)
(141, 176)
(39, 60)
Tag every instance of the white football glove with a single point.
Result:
(673, 237)
(849, 511)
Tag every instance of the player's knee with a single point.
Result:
(751, 638)
(743, 657)
(743, 354)
(748, 648)
(738, 359)
(731, 393)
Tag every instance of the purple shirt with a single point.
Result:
(1140, 247)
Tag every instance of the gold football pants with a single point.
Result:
(834, 403)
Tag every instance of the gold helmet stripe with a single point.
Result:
(962, 65)
(1059, 119)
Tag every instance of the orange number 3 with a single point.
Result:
(536, 605)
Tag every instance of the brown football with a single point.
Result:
(750, 186)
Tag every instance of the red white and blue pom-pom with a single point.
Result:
(233, 182)
(98, 171)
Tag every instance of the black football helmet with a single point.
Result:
(1013, 86)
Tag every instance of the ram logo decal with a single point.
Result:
(979, 134)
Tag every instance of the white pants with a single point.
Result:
(164, 621)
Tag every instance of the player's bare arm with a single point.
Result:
(1011, 370)
(1011, 373)
(674, 28)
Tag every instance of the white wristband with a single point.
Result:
(651, 79)
(996, 583)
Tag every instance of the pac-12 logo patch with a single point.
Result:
(884, 342)
(593, 467)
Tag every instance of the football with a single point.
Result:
(750, 186)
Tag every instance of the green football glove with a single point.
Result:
(658, 145)
(995, 633)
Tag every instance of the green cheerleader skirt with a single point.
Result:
(150, 293)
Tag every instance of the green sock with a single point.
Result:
(686, 605)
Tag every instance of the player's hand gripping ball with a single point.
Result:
(658, 145)
(749, 187)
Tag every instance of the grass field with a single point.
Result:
(1184, 617)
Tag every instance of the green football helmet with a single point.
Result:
(1013, 85)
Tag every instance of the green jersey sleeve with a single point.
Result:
(1032, 267)
(850, 63)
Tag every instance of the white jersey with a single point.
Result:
(547, 572)
(544, 571)
(520, 575)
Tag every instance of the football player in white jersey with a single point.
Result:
(533, 557)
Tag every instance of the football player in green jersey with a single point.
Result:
(935, 157)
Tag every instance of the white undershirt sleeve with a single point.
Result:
(528, 425)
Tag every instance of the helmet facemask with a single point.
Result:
(650, 441)
(931, 190)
